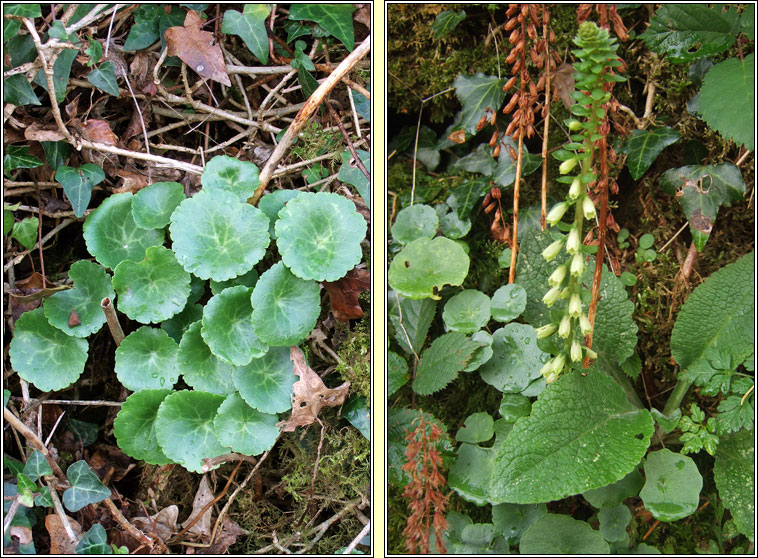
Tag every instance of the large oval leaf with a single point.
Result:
(112, 236)
(426, 265)
(91, 284)
(672, 485)
(216, 236)
(319, 235)
(244, 429)
(146, 359)
(266, 383)
(200, 368)
(733, 473)
(285, 308)
(134, 426)
(44, 355)
(732, 114)
(561, 534)
(154, 289)
(227, 327)
(583, 433)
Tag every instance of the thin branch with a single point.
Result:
(34, 441)
(51, 488)
(47, 237)
(357, 540)
(112, 319)
(356, 157)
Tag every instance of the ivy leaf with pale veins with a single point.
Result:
(336, 19)
(445, 22)
(478, 93)
(250, 26)
(343, 294)
(441, 362)
(644, 146)
(196, 49)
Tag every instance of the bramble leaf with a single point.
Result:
(147, 359)
(441, 362)
(134, 426)
(397, 372)
(227, 327)
(411, 320)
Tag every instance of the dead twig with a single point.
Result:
(112, 319)
(350, 146)
(34, 441)
(356, 541)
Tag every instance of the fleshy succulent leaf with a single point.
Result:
(201, 369)
(152, 206)
(232, 175)
(244, 429)
(147, 359)
(266, 383)
(134, 426)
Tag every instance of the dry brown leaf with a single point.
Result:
(43, 132)
(343, 294)
(563, 84)
(98, 131)
(162, 524)
(196, 49)
(202, 526)
(459, 136)
(59, 541)
(133, 181)
(23, 534)
(30, 289)
(310, 394)
(363, 14)
(225, 538)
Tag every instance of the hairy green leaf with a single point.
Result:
(734, 474)
(441, 362)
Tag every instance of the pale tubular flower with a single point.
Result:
(574, 125)
(576, 350)
(558, 363)
(556, 213)
(565, 328)
(556, 278)
(575, 306)
(551, 377)
(576, 188)
(584, 324)
(572, 244)
(551, 296)
(592, 355)
(547, 369)
(568, 165)
(577, 265)
(546, 331)
(588, 208)
(553, 250)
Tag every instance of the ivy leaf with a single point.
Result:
(23, 10)
(411, 320)
(135, 428)
(244, 429)
(266, 382)
(145, 30)
(441, 362)
(112, 235)
(94, 541)
(153, 289)
(227, 327)
(643, 146)
(561, 534)
(147, 359)
(25, 231)
(201, 369)
(56, 153)
(94, 51)
(91, 285)
(428, 264)
(467, 312)
(445, 22)
(733, 471)
(358, 414)
(216, 236)
(18, 157)
(37, 466)
(505, 172)
(686, 32)
(319, 235)
(18, 91)
(363, 108)
(44, 355)
(397, 372)
(336, 19)
(516, 361)
(104, 78)
(416, 221)
(479, 161)
(351, 174)
(230, 174)
(427, 151)
(86, 487)
(152, 206)
(185, 430)
(468, 193)
(732, 114)
(250, 26)
(78, 184)
(565, 446)
(61, 73)
(478, 93)
(672, 485)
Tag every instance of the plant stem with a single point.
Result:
(675, 399)
(113, 323)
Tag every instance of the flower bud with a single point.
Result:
(556, 213)
(547, 369)
(553, 250)
(575, 306)
(551, 296)
(565, 328)
(576, 350)
(576, 188)
(585, 325)
(573, 124)
(556, 278)
(577, 265)
(567, 165)
(572, 244)
(588, 207)
(546, 331)
(550, 377)
(558, 363)
(592, 355)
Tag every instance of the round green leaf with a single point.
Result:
(672, 485)
(513, 406)
(218, 237)
(271, 204)
(146, 359)
(427, 264)
(416, 221)
(201, 369)
(453, 226)
(112, 236)
(467, 312)
(483, 353)
(44, 355)
(134, 426)
(266, 383)
(154, 289)
(470, 473)
(285, 308)
(508, 302)
(176, 325)
(319, 235)
(185, 430)
(244, 429)
(357, 413)
(91, 285)
(628, 278)
(227, 328)
(397, 372)
(152, 206)
(516, 360)
(613, 522)
(613, 494)
(248, 279)
(513, 519)
(561, 534)
(646, 241)
(477, 427)
(231, 175)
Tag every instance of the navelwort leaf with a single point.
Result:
(112, 236)
(514, 519)
(441, 362)
(85, 489)
(217, 236)
(643, 146)
(285, 307)
(44, 355)
(91, 285)
(201, 369)
(416, 221)
(244, 429)
(230, 174)
(508, 302)
(319, 235)
(467, 312)
(266, 383)
(561, 534)
(672, 485)
(271, 204)
(428, 264)
(154, 289)
(134, 426)
(152, 206)
(516, 361)
(147, 359)
(227, 327)
(185, 430)
(478, 427)
(567, 446)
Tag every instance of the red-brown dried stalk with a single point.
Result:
(424, 493)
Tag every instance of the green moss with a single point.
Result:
(355, 355)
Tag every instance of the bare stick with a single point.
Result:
(305, 113)
(51, 488)
(351, 147)
(212, 462)
(34, 441)
(95, 403)
(113, 323)
(357, 539)
(129, 528)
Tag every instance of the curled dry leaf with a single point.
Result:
(73, 319)
(196, 49)
(98, 131)
(43, 132)
(202, 526)
(59, 541)
(162, 523)
(563, 84)
(23, 534)
(343, 294)
(133, 181)
(310, 394)
(459, 136)
(363, 14)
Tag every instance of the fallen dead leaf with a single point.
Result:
(23, 534)
(161, 524)
(133, 181)
(310, 394)
(59, 541)
(363, 14)
(343, 294)
(225, 538)
(98, 131)
(37, 131)
(563, 84)
(202, 526)
(30, 289)
(459, 136)
(196, 49)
